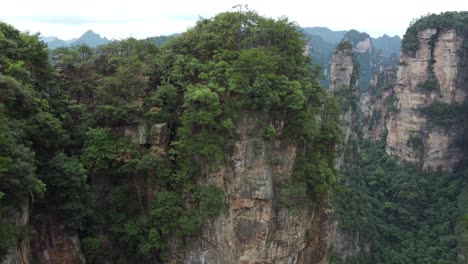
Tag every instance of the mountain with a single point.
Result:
(88, 38)
(371, 53)
(54, 42)
(326, 34)
(388, 44)
(91, 39)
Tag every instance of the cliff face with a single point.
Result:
(344, 86)
(256, 228)
(376, 104)
(342, 69)
(53, 244)
(411, 136)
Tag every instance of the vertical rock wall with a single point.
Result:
(411, 136)
(255, 228)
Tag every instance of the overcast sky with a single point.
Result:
(118, 19)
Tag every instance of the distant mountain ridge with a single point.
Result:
(88, 38)
(388, 44)
(370, 53)
(328, 35)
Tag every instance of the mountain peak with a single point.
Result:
(90, 33)
(91, 39)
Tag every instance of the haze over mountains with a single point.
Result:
(89, 38)
(324, 38)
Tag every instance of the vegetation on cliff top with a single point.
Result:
(445, 20)
(62, 127)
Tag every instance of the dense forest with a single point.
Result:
(63, 153)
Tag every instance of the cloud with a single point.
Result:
(143, 18)
(70, 20)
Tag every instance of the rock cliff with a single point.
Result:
(431, 74)
(22, 253)
(256, 228)
(376, 104)
(53, 244)
(344, 86)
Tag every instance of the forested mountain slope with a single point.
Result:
(220, 146)
(206, 150)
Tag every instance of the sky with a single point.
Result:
(118, 19)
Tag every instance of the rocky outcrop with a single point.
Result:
(256, 228)
(364, 45)
(411, 135)
(342, 68)
(155, 136)
(344, 86)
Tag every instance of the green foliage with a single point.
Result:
(270, 132)
(103, 152)
(8, 238)
(211, 201)
(445, 20)
(344, 45)
(294, 195)
(382, 88)
(431, 84)
(314, 168)
(462, 226)
(30, 132)
(408, 216)
(91, 246)
(201, 135)
(67, 190)
(353, 36)
(445, 115)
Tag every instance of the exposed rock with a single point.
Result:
(342, 68)
(344, 85)
(21, 254)
(54, 245)
(255, 229)
(436, 146)
(364, 45)
(376, 104)
(139, 133)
